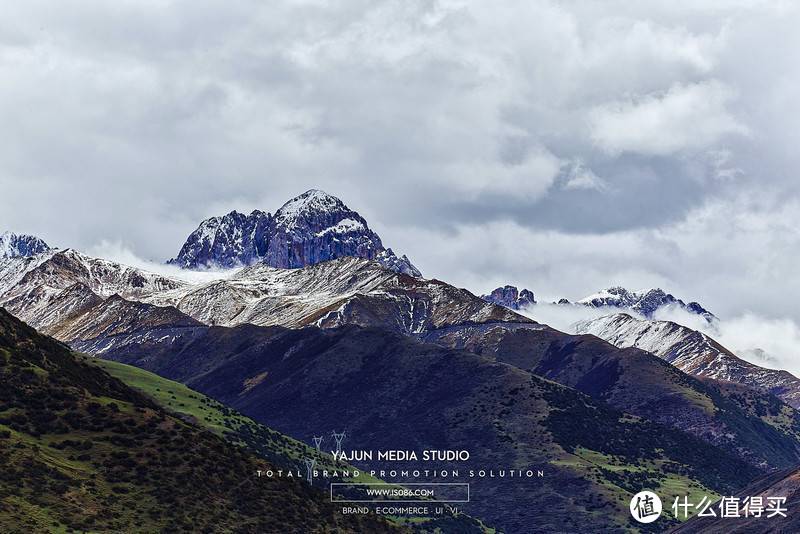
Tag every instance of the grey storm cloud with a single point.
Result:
(563, 146)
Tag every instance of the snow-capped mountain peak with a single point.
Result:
(315, 213)
(313, 201)
(308, 229)
(14, 245)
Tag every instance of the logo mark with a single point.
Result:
(645, 507)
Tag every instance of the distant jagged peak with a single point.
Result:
(316, 214)
(401, 264)
(511, 297)
(14, 245)
(645, 302)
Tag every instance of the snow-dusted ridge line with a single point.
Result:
(645, 302)
(55, 291)
(692, 352)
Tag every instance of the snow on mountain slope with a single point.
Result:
(308, 229)
(692, 352)
(116, 315)
(346, 290)
(48, 288)
(58, 290)
(266, 295)
(20, 245)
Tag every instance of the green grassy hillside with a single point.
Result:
(82, 451)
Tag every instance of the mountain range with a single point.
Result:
(646, 302)
(58, 289)
(310, 323)
(692, 351)
(101, 307)
(108, 309)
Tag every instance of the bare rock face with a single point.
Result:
(510, 297)
(228, 241)
(316, 227)
(308, 229)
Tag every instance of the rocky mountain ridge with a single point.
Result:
(52, 290)
(511, 297)
(691, 351)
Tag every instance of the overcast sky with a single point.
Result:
(561, 146)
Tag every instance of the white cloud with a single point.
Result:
(118, 252)
(768, 342)
(578, 176)
(529, 177)
(563, 146)
(686, 117)
(564, 316)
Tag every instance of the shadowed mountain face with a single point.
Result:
(389, 391)
(308, 229)
(232, 240)
(81, 450)
(760, 427)
(693, 352)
